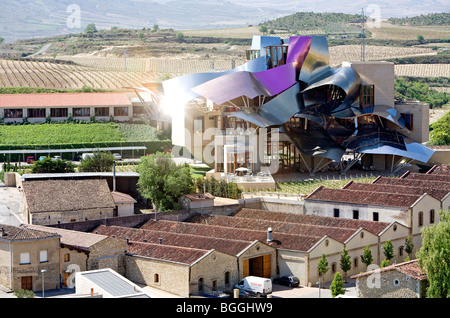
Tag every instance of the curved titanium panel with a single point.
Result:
(317, 61)
(413, 150)
(181, 87)
(275, 112)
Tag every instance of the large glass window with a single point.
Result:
(120, 111)
(81, 112)
(13, 113)
(101, 111)
(36, 113)
(59, 112)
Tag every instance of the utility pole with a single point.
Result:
(363, 44)
(124, 60)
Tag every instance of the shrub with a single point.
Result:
(337, 286)
(24, 293)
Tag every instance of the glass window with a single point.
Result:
(101, 111)
(13, 113)
(120, 111)
(59, 112)
(81, 112)
(43, 257)
(25, 258)
(36, 112)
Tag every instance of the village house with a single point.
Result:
(402, 280)
(81, 251)
(49, 202)
(26, 256)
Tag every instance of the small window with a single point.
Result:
(67, 257)
(333, 268)
(400, 251)
(355, 262)
(43, 256)
(336, 213)
(375, 216)
(227, 279)
(432, 216)
(355, 214)
(420, 218)
(396, 282)
(408, 120)
(156, 278)
(25, 258)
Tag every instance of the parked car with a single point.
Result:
(290, 281)
(87, 155)
(30, 159)
(56, 158)
(117, 156)
(42, 158)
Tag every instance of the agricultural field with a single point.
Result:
(63, 76)
(341, 53)
(422, 70)
(73, 133)
(388, 31)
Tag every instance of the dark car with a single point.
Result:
(290, 281)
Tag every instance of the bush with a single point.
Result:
(24, 293)
(337, 286)
(52, 166)
(100, 162)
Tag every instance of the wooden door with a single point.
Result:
(27, 282)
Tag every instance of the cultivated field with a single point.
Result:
(341, 53)
(423, 70)
(53, 75)
(387, 31)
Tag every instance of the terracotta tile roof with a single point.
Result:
(23, 233)
(81, 240)
(165, 252)
(439, 169)
(392, 188)
(224, 245)
(424, 176)
(413, 183)
(120, 197)
(314, 220)
(67, 195)
(64, 100)
(199, 196)
(410, 268)
(317, 231)
(281, 240)
(363, 197)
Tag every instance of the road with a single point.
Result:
(11, 200)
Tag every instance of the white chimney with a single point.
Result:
(269, 234)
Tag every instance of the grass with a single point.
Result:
(60, 133)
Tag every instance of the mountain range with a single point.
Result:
(23, 19)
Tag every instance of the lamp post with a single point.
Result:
(43, 271)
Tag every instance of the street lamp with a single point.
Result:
(43, 271)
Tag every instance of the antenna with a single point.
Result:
(363, 44)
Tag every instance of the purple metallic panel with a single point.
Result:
(231, 86)
(298, 50)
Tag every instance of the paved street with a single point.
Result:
(11, 200)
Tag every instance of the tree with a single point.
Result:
(90, 28)
(337, 285)
(155, 27)
(388, 250)
(420, 38)
(1, 40)
(99, 162)
(162, 181)
(179, 37)
(367, 258)
(263, 29)
(434, 256)
(52, 166)
(346, 263)
(409, 246)
(322, 267)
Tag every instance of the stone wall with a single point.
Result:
(389, 284)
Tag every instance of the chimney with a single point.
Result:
(269, 234)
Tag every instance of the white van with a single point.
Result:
(256, 285)
(87, 155)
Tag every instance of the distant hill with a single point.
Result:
(20, 19)
(327, 22)
(423, 19)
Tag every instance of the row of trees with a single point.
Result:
(407, 89)
(337, 286)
